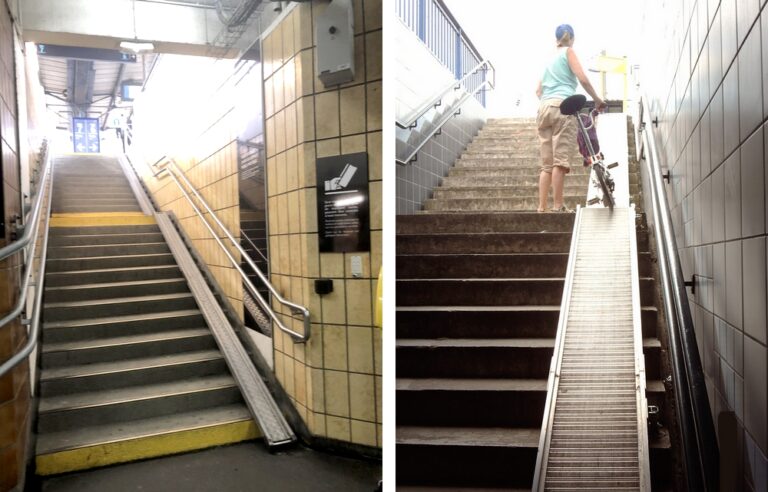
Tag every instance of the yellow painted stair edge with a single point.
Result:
(145, 447)
(92, 219)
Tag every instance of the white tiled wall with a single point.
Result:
(706, 76)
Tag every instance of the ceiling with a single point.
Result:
(91, 96)
(92, 88)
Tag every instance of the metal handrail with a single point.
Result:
(455, 85)
(442, 122)
(31, 228)
(700, 449)
(296, 308)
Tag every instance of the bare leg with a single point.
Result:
(545, 180)
(558, 176)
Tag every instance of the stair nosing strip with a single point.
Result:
(210, 357)
(127, 283)
(125, 318)
(104, 270)
(74, 246)
(144, 436)
(142, 255)
(154, 396)
(119, 300)
(52, 349)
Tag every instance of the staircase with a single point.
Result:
(479, 286)
(130, 369)
(253, 239)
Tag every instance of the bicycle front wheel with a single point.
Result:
(608, 200)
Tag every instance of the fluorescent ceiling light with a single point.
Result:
(137, 47)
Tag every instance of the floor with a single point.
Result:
(240, 467)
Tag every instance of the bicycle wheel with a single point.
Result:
(608, 200)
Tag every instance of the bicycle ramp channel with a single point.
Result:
(594, 434)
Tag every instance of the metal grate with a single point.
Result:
(595, 423)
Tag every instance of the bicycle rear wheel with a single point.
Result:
(608, 200)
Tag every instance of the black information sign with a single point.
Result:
(342, 203)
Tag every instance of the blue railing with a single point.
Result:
(433, 23)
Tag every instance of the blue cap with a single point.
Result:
(562, 29)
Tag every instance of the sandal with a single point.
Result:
(564, 209)
(543, 211)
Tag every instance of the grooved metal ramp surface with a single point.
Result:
(255, 392)
(594, 435)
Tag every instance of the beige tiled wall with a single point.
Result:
(702, 70)
(335, 379)
(210, 164)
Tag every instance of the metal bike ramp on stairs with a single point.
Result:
(594, 434)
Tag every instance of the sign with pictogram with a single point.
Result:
(85, 135)
(342, 203)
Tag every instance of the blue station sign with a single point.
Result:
(85, 135)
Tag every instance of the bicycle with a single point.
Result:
(571, 107)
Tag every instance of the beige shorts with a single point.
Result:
(557, 136)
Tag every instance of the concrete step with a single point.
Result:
(156, 426)
(526, 358)
(492, 265)
(531, 155)
(103, 262)
(103, 240)
(500, 242)
(504, 147)
(480, 457)
(82, 187)
(103, 275)
(121, 199)
(111, 290)
(502, 137)
(124, 373)
(94, 251)
(125, 405)
(493, 292)
(450, 193)
(511, 162)
(63, 311)
(125, 347)
(492, 321)
(99, 194)
(87, 178)
(505, 172)
(484, 223)
(496, 204)
(466, 456)
(134, 324)
(84, 208)
(527, 181)
(480, 402)
(489, 243)
(104, 230)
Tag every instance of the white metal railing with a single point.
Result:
(172, 170)
(433, 23)
(403, 158)
(483, 66)
(28, 243)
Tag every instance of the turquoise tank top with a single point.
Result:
(558, 81)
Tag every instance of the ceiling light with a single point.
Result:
(137, 47)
